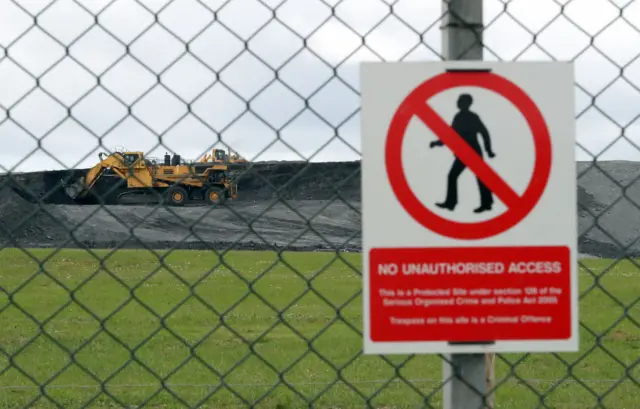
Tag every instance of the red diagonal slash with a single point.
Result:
(467, 155)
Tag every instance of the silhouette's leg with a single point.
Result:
(486, 197)
(452, 185)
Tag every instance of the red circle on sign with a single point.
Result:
(395, 169)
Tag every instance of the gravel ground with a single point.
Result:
(314, 225)
(609, 209)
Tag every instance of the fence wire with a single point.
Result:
(102, 306)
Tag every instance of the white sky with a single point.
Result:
(312, 102)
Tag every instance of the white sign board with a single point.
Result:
(469, 207)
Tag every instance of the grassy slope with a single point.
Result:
(137, 325)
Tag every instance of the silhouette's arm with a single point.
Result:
(485, 137)
(439, 142)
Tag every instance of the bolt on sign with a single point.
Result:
(469, 207)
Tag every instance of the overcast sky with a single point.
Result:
(309, 103)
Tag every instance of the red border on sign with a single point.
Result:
(415, 104)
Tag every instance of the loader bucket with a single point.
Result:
(73, 190)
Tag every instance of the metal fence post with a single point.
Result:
(462, 26)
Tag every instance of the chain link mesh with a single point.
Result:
(228, 306)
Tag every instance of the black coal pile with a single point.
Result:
(609, 208)
(320, 210)
(297, 206)
(301, 181)
(261, 181)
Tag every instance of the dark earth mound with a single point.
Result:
(609, 208)
(261, 181)
(320, 210)
(302, 206)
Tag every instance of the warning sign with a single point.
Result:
(462, 139)
(469, 207)
(508, 293)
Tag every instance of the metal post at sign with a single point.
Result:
(465, 375)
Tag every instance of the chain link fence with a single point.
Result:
(105, 306)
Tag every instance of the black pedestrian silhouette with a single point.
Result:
(467, 124)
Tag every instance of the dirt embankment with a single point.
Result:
(608, 210)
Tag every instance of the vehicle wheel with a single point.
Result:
(176, 196)
(214, 195)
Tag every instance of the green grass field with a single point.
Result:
(166, 319)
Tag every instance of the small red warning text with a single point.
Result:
(470, 294)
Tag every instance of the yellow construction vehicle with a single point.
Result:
(233, 161)
(121, 174)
